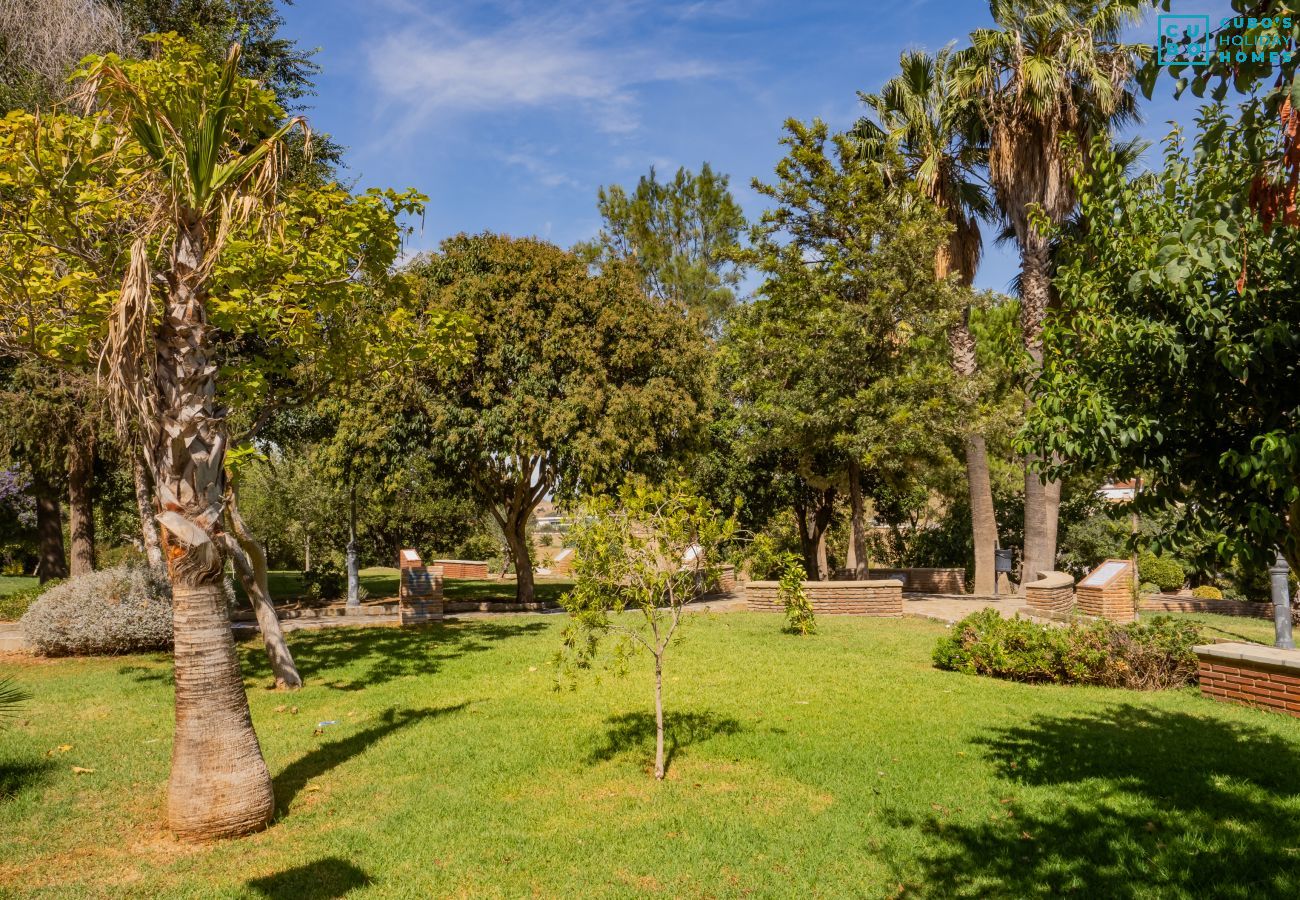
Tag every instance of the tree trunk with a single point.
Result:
(81, 508)
(144, 504)
(814, 521)
(1042, 500)
(354, 575)
(306, 554)
(984, 522)
(659, 718)
(49, 530)
(250, 562)
(516, 533)
(858, 523)
(220, 786)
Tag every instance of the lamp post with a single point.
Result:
(1277, 575)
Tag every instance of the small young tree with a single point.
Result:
(799, 617)
(651, 551)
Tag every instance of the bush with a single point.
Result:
(323, 582)
(798, 611)
(1207, 592)
(1148, 587)
(1143, 656)
(121, 610)
(1164, 572)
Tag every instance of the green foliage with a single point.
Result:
(680, 236)
(650, 551)
(1207, 592)
(12, 698)
(1174, 350)
(798, 610)
(1164, 572)
(1150, 655)
(15, 603)
(323, 581)
(1148, 587)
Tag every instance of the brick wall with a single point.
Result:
(1257, 683)
(1222, 607)
(926, 581)
(1053, 593)
(1113, 600)
(859, 598)
(462, 568)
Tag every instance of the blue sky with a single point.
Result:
(510, 115)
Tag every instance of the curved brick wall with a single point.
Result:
(1053, 593)
(856, 598)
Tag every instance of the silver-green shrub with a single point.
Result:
(120, 610)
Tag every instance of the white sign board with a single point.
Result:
(1104, 574)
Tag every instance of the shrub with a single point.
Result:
(1144, 655)
(798, 611)
(1164, 572)
(1148, 587)
(121, 610)
(1207, 592)
(323, 582)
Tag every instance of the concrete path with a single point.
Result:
(954, 607)
(11, 638)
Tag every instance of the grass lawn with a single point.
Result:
(838, 765)
(10, 584)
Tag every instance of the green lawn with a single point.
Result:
(10, 584)
(838, 765)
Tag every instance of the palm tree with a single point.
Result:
(207, 145)
(1052, 73)
(923, 121)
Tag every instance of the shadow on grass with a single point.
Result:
(289, 783)
(1148, 803)
(147, 674)
(16, 777)
(325, 879)
(636, 731)
(354, 658)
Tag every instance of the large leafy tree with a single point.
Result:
(922, 120)
(838, 357)
(1177, 351)
(575, 379)
(679, 236)
(1051, 74)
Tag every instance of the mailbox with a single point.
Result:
(1002, 560)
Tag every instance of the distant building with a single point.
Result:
(1118, 491)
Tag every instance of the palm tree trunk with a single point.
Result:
(858, 522)
(49, 530)
(148, 522)
(81, 508)
(1042, 499)
(984, 522)
(220, 786)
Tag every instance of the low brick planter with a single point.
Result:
(850, 598)
(926, 581)
(1053, 594)
(1251, 675)
(1157, 603)
(462, 568)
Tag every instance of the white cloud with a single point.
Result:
(435, 68)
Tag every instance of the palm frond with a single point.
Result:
(11, 698)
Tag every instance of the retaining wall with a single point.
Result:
(857, 598)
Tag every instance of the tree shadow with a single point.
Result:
(360, 657)
(147, 675)
(636, 732)
(323, 879)
(1153, 804)
(290, 782)
(16, 777)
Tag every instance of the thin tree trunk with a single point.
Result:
(659, 718)
(306, 554)
(49, 530)
(144, 504)
(354, 574)
(858, 523)
(220, 786)
(1042, 500)
(81, 508)
(250, 562)
(516, 535)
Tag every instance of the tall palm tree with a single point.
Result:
(207, 143)
(922, 121)
(1052, 72)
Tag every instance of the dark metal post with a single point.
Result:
(1280, 583)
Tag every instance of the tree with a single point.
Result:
(939, 137)
(679, 235)
(575, 378)
(650, 553)
(838, 356)
(1050, 73)
(1172, 357)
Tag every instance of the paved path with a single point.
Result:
(954, 607)
(11, 638)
